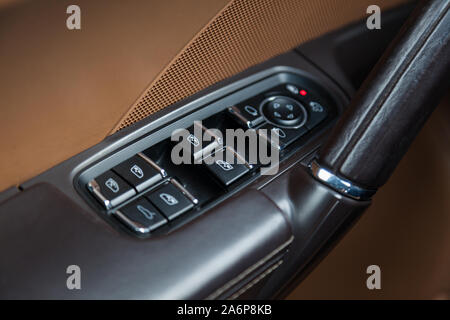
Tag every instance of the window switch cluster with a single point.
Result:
(150, 210)
(141, 195)
(124, 180)
(156, 208)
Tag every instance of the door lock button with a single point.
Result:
(141, 216)
(110, 189)
(138, 172)
(170, 201)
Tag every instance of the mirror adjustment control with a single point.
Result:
(170, 200)
(140, 172)
(285, 136)
(247, 114)
(317, 113)
(141, 216)
(284, 112)
(227, 168)
(110, 189)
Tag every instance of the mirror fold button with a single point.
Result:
(141, 216)
(110, 189)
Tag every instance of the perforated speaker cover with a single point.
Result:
(244, 33)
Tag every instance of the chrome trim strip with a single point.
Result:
(239, 157)
(133, 225)
(338, 184)
(184, 190)
(153, 164)
(95, 189)
(250, 124)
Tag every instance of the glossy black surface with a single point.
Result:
(138, 173)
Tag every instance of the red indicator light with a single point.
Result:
(303, 92)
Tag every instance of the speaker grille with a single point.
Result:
(244, 33)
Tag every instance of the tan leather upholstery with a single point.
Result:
(63, 91)
(406, 231)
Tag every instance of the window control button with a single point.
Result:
(110, 189)
(247, 114)
(317, 113)
(170, 201)
(285, 136)
(200, 141)
(141, 216)
(225, 171)
(138, 172)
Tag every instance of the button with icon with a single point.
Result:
(247, 114)
(199, 141)
(280, 137)
(284, 111)
(138, 172)
(170, 201)
(141, 216)
(317, 113)
(110, 189)
(226, 167)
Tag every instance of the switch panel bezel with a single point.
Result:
(221, 104)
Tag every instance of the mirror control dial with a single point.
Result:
(284, 111)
